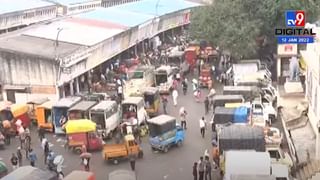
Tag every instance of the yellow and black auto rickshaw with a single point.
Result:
(44, 116)
(151, 96)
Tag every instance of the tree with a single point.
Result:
(246, 27)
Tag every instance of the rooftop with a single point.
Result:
(9, 6)
(37, 46)
(103, 105)
(162, 119)
(83, 106)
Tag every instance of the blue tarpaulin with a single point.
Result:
(240, 115)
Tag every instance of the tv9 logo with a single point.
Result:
(295, 18)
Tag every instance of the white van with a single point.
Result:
(139, 78)
(133, 111)
(106, 115)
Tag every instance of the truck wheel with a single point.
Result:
(115, 161)
(165, 149)
(179, 143)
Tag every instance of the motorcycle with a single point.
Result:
(55, 164)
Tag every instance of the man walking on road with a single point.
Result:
(32, 157)
(201, 168)
(19, 154)
(208, 168)
(206, 105)
(183, 116)
(132, 159)
(202, 126)
(164, 104)
(14, 161)
(175, 97)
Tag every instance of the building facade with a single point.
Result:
(109, 3)
(27, 13)
(69, 7)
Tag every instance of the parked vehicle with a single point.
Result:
(29, 172)
(133, 108)
(256, 163)
(60, 112)
(139, 78)
(82, 132)
(280, 171)
(248, 92)
(223, 115)
(21, 111)
(152, 100)
(205, 77)
(81, 110)
(241, 137)
(190, 55)
(33, 104)
(122, 175)
(80, 175)
(44, 116)
(164, 133)
(114, 152)
(221, 100)
(279, 156)
(164, 79)
(106, 115)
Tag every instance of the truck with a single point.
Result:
(139, 78)
(256, 163)
(221, 100)
(165, 133)
(226, 115)
(164, 79)
(114, 152)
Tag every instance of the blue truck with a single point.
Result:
(165, 133)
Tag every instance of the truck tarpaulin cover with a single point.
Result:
(223, 115)
(28, 172)
(80, 126)
(240, 115)
(240, 137)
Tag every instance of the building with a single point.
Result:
(68, 7)
(312, 58)
(19, 13)
(51, 60)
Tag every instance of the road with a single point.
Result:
(176, 164)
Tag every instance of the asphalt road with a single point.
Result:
(174, 165)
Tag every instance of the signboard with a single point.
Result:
(287, 49)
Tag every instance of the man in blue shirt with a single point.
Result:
(32, 157)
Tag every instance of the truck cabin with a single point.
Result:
(102, 111)
(221, 100)
(131, 106)
(60, 112)
(162, 75)
(81, 110)
(161, 124)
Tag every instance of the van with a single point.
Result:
(164, 79)
(133, 108)
(139, 78)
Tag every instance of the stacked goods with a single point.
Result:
(223, 115)
(239, 137)
(240, 115)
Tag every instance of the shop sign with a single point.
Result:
(287, 49)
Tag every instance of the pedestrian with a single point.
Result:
(206, 105)
(202, 126)
(183, 117)
(195, 171)
(197, 95)
(175, 97)
(14, 161)
(132, 158)
(120, 92)
(19, 155)
(22, 137)
(41, 133)
(216, 155)
(184, 86)
(208, 168)
(85, 162)
(164, 104)
(46, 150)
(32, 157)
(201, 167)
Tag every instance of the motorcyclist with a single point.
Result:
(50, 159)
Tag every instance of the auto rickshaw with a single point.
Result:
(82, 132)
(21, 111)
(205, 79)
(32, 108)
(44, 116)
(151, 97)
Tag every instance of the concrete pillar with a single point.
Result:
(89, 81)
(71, 88)
(77, 85)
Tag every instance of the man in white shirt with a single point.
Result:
(183, 117)
(175, 97)
(202, 126)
